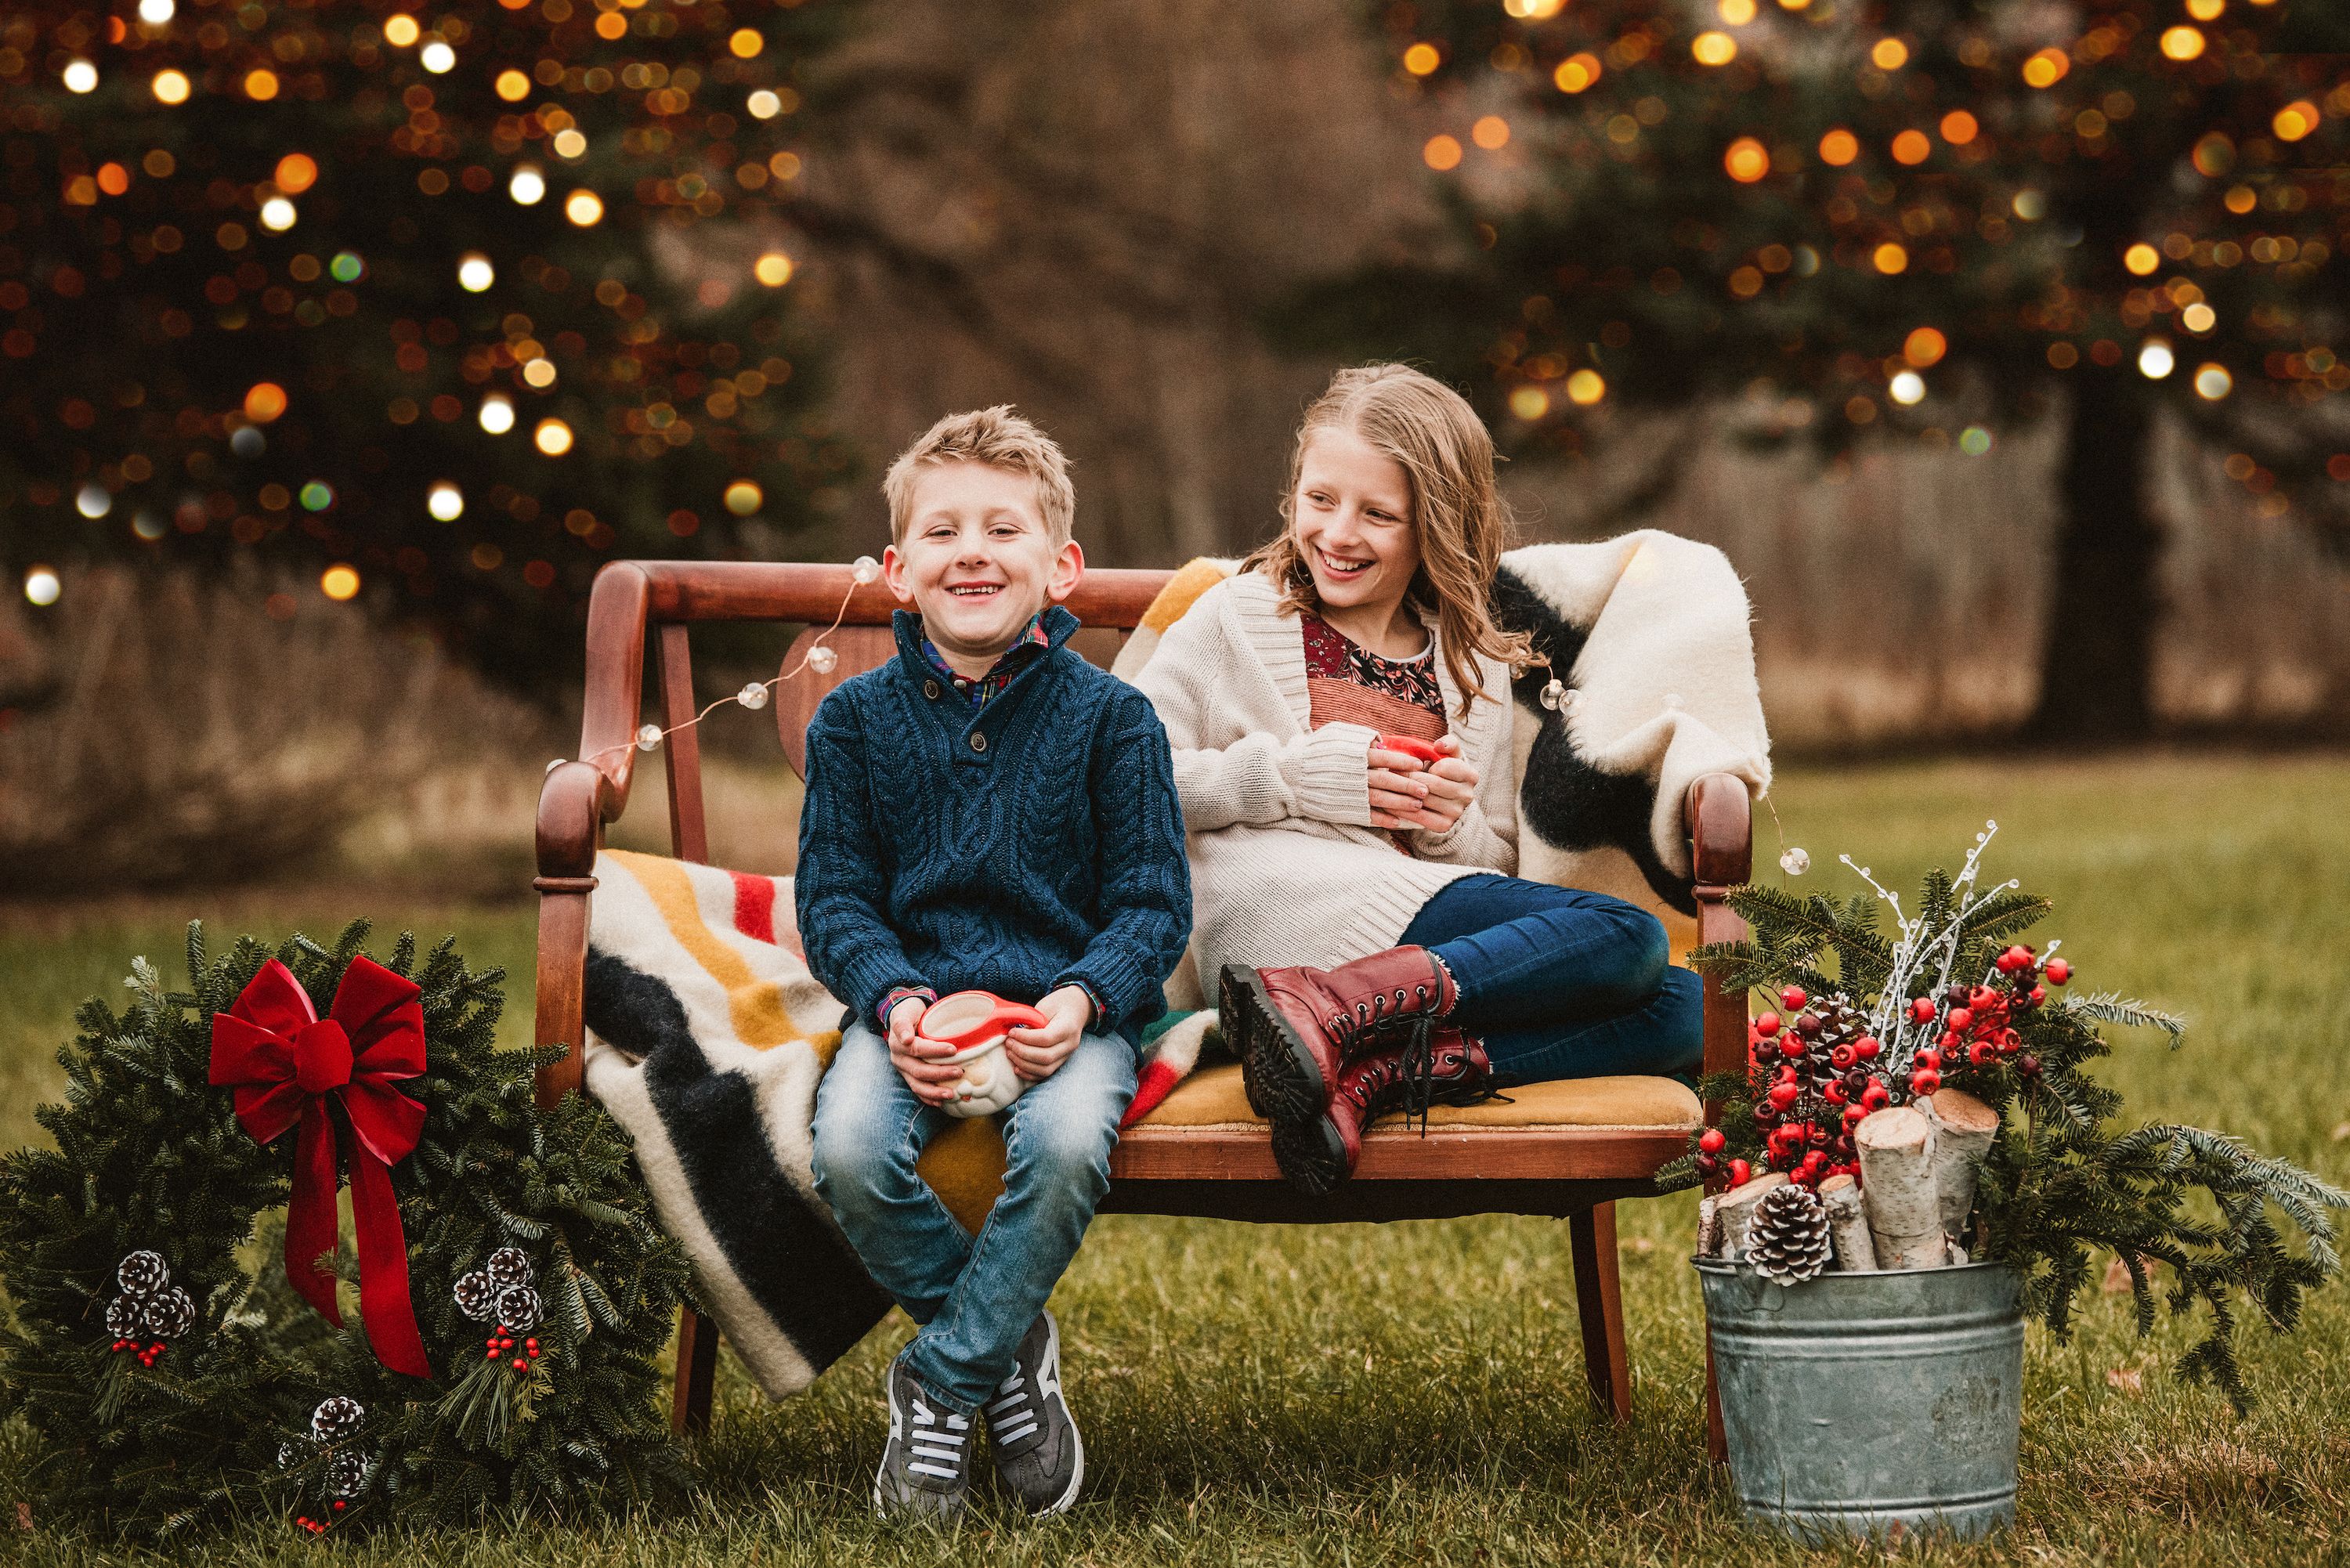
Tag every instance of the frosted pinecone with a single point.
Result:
(477, 1296)
(170, 1314)
(292, 1454)
(1787, 1240)
(126, 1317)
(518, 1308)
(509, 1266)
(336, 1417)
(346, 1472)
(143, 1272)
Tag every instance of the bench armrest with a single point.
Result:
(1721, 854)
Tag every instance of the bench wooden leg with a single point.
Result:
(1600, 1301)
(697, 1372)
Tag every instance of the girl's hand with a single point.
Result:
(1037, 1054)
(918, 1059)
(1407, 793)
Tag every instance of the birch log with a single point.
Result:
(1736, 1210)
(1709, 1226)
(1963, 1130)
(1896, 1175)
(1848, 1224)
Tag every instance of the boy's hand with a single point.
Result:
(1037, 1054)
(917, 1061)
(1407, 793)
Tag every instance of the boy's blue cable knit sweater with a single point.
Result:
(1017, 848)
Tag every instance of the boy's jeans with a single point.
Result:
(974, 1297)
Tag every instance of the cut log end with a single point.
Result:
(1900, 1195)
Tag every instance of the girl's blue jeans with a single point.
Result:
(1560, 983)
(974, 1296)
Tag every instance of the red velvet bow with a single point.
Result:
(288, 1066)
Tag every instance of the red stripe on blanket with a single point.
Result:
(755, 906)
(1157, 1080)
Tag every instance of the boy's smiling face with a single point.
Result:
(978, 561)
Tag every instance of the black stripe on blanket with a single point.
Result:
(792, 1262)
(1564, 800)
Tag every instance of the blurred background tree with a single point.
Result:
(1904, 214)
(438, 312)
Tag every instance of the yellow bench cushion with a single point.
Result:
(1213, 1096)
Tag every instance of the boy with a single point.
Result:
(986, 812)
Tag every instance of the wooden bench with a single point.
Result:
(1565, 1150)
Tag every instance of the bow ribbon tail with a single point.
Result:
(310, 1219)
(384, 1303)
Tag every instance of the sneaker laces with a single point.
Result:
(935, 1434)
(1013, 1415)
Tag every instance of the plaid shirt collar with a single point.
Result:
(979, 691)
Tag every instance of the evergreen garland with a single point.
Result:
(2060, 1182)
(151, 1158)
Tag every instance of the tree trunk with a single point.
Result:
(2096, 678)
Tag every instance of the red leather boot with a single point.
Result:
(1437, 1066)
(1295, 1029)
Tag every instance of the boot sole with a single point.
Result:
(1312, 1155)
(1283, 1082)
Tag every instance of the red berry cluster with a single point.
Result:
(502, 1343)
(1814, 1081)
(147, 1353)
(1979, 1021)
(319, 1526)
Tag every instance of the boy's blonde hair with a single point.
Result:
(1000, 439)
(1457, 511)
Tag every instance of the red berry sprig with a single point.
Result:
(502, 1344)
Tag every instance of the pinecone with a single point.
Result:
(509, 1266)
(170, 1313)
(477, 1296)
(126, 1317)
(336, 1417)
(1787, 1240)
(142, 1273)
(518, 1308)
(346, 1472)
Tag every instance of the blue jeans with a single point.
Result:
(1560, 983)
(974, 1297)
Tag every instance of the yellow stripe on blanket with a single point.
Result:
(755, 1005)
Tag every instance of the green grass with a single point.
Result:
(1414, 1393)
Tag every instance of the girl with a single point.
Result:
(1340, 717)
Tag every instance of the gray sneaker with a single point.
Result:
(926, 1470)
(1038, 1453)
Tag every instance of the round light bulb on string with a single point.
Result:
(528, 185)
(553, 437)
(41, 585)
(753, 696)
(1907, 388)
(822, 659)
(2155, 360)
(865, 569)
(474, 273)
(445, 502)
(277, 215)
(155, 13)
(1795, 862)
(80, 76)
(437, 57)
(497, 413)
(1554, 695)
(92, 501)
(649, 737)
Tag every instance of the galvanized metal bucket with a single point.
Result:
(1856, 1402)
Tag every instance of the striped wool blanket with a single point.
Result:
(706, 1037)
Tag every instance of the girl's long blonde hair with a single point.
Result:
(1462, 520)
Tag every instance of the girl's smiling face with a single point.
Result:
(1351, 519)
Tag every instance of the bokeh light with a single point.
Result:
(2046, 69)
(445, 502)
(2210, 10)
(277, 215)
(79, 76)
(155, 13)
(528, 185)
(2199, 317)
(1906, 387)
(1576, 72)
(1421, 60)
(1585, 388)
(437, 57)
(41, 584)
(2212, 382)
(1492, 132)
(2141, 258)
(347, 267)
(474, 273)
(1443, 152)
(497, 415)
(538, 373)
(1911, 147)
(1713, 47)
(261, 84)
(745, 43)
(1889, 55)
(2294, 120)
(317, 495)
(743, 497)
(1746, 161)
(339, 582)
(2182, 43)
(1959, 127)
(263, 401)
(570, 143)
(1736, 12)
(170, 87)
(1924, 348)
(399, 30)
(583, 207)
(295, 172)
(2155, 360)
(1890, 259)
(764, 105)
(1974, 440)
(552, 437)
(774, 269)
(93, 501)
(511, 86)
(1529, 402)
(1838, 148)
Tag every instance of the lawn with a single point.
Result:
(1414, 1393)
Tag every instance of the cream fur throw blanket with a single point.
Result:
(1650, 634)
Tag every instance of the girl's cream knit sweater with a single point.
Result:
(1285, 865)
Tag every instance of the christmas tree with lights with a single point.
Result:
(1903, 217)
(437, 312)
